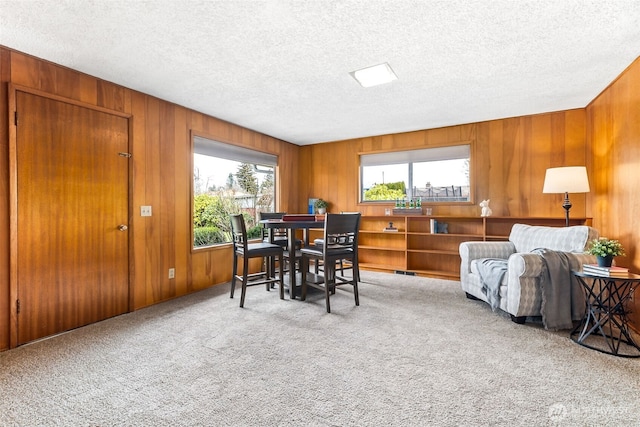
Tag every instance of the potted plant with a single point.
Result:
(605, 249)
(321, 206)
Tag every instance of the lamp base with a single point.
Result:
(566, 205)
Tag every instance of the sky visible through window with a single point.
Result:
(215, 171)
(437, 173)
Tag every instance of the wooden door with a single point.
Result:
(72, 209)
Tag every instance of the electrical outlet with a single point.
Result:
(145, 210)
(172, 273)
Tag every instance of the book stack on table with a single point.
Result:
(596, 270)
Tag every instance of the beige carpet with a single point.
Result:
(415, 352)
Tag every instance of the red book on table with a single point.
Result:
(299, 217)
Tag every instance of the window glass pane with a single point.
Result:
(222, 187)
(441, 181)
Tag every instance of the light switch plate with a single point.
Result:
(145, 210)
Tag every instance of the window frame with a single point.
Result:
(406, 154)
(231, 147)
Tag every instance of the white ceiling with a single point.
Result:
(281, 67)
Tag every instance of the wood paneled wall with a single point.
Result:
(510, 157)
(161, 177)
(613, 137)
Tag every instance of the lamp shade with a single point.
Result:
(570, 179)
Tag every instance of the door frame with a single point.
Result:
(13, 196)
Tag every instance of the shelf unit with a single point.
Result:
(379, 249)
(415, 249)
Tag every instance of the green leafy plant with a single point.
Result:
(207, 236)
(383, 192)
(322, 204)
(605, 247)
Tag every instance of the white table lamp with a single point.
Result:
(570, 179)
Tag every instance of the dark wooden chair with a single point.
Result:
(280, 236)
(245, 250)
(340, 242)
(342, 264)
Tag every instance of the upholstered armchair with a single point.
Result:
(519, 291)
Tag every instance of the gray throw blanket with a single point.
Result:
(555, 285)
(492, 271)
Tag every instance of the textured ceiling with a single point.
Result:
(282, 67)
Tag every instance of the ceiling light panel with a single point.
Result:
(375, 75)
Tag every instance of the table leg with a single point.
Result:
(605, 315)
(292, 263)
(272, 260)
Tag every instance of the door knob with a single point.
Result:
(122, 227)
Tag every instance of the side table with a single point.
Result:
(605, 326)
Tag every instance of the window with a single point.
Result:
(228, 179)
(438, 174)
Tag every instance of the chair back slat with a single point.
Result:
(341, 230)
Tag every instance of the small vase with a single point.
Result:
(322, 211)
(605, 261)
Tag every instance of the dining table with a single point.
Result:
(293, 223)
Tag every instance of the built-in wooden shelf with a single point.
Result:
(415, 249)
